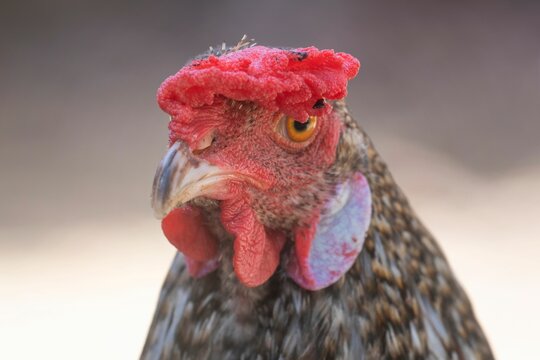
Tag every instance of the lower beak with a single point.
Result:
(181, 177)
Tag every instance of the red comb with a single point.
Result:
(290, 81)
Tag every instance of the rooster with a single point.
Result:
(294, 240)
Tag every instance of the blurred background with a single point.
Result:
(448, 90)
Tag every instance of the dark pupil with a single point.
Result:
(298, 126)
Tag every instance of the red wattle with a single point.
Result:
(186, 229)
(256, 250)
(303, 246)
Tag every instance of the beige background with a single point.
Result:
(449, 91)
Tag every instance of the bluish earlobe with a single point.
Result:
(327, 249)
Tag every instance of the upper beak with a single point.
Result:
(181, 177)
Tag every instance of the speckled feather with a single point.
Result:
(399, 300)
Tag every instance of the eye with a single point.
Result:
(299, 131)
(293, 134)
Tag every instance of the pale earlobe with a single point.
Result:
(327, 249)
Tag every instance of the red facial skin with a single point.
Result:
(270, 83)
(284, 169)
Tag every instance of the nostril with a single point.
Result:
(205, 141)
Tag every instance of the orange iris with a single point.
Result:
(298, 131)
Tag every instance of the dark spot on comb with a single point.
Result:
(300, 55)
(319, 104)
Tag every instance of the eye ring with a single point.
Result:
(298, 131)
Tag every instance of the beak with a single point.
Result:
(181, 177)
